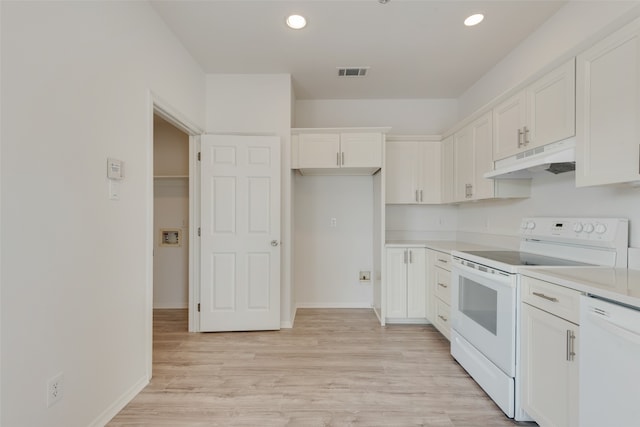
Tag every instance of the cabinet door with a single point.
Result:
(417, 283)
(509, 120)
(551, 107)
(396, 283)
(361, 149)
(549, 372)
(463, 165)
(447, 170)
(482, 136)
(608, 110)
(401, 172)
(320, 150)
(429, 183)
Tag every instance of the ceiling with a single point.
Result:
(414, 48)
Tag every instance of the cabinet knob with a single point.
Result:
(274, 243)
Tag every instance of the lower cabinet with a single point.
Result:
(439, 269)
(549, 363)
(406, 277)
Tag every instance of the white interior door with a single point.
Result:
(240, 233)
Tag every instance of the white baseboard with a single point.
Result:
(334, 305)
(120, 403)
(170, 305)
(288, 324)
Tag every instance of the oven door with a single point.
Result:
(483, 312)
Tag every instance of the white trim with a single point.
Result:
(288, 324)
(334, 305)
(120, 403)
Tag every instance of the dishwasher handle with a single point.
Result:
(613, 327)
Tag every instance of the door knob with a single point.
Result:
(274, 243)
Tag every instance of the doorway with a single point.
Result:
(170, 216)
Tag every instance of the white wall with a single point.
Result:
(171, 264)
(329, 258)
(75, 265)
(405, 116)
(421, 222)
(260, 104)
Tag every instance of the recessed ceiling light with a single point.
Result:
(474, 20)
(297, 22)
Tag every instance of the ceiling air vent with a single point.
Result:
(353, 71)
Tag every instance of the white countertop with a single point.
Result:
(441, 245)
(617, 284)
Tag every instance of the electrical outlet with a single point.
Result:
(333, 222)
(55, 389)
(365, 276)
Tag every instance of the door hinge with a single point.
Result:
(199, 231)
(198, 307)
(199, 156)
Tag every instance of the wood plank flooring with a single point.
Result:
(336, 367)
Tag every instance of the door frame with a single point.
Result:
(158, 106)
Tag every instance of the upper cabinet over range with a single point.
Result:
(337, 151)
(541, 113)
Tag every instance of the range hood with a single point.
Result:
(556, 158)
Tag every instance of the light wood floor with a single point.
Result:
(336, 367)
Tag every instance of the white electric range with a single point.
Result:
(485, 328)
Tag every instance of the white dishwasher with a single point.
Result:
(609, 364)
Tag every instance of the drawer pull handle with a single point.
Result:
(444, 319)
(443, 285)
(443, 260)
(548, 298)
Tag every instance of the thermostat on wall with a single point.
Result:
(114, 169)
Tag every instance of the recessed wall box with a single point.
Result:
(170, 237)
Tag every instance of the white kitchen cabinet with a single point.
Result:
(447, 170)
(413, 170)
(473, 158)
(439, 269)
(405, 283)
(608, 109)
(549, 362)
(542, 113)
(337, 151)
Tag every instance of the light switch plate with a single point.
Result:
(114, 190)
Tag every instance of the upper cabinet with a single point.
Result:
(472, 152)
(413, 170)
(608, 110)
(447, 175)
(542, 113)
(337, 151)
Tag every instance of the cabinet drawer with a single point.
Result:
(443, 284)
(442, 318)
(555, 299)
(443, 260)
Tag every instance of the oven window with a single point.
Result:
(479, 303)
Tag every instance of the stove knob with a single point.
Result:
(588, 227)
(577, 227)
(531, 225)
(601, 228)
(524, 225)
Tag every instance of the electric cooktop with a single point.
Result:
(524, 258)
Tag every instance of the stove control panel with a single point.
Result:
(592, 229)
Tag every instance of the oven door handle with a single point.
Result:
(496, 279)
